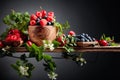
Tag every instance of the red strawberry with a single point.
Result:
(51, 14)
(38, 14)
(32, 22)
(1, 44)
(43, 22)
(50, 19)
(29, 43)
(103, 42)
(43, 13)
(33, 17)
(72, 33)
(61, 40)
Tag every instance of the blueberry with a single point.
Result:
(93, 39)
(45, 17)
(48, 23)
(38, 21)
(52, 23)
(82, 40)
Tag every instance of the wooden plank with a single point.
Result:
(79, 49)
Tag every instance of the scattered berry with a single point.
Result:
(72, 33)
(1, 44)
(103, 42)
(29, 43)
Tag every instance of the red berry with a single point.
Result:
(29, 43)
(51, 14)
(32, 22)
(103, 42)
(43, 22)
(50, 19)
(38, 14)
(43, 13)
(1, 44)
(72, 33)
(33, 17)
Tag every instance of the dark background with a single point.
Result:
(94, 17)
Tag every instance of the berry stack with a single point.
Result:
(42, 18)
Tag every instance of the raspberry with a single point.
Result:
(43, 13)
(32, 22)
(72, 33)
(51, 14)
(38, 14)
(49, 18)
(43, 22)
(33, 17)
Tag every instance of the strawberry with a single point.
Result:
(51, 14)
(33, 17)
(29, 43)
(32, 22)
(43, 22)
(38, 14)
(72, 33)
(43, 13)
(50, 19)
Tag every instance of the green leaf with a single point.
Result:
(56, 43)
(39, 56)
(14, 66)
(47, 57)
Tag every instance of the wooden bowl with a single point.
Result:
(87, 44)
(38, 33)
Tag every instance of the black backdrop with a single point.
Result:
(94, 17)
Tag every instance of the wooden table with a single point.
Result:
(79, 49)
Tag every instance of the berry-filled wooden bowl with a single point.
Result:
(38, 33)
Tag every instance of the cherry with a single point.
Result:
(29, 43)
(103, 42)
(72, 33)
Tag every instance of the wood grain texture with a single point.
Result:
(78, 49)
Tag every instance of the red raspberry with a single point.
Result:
(50, 19)
(32, 22)
(33, 17)
(43, 22)
(38, 14)
(43, 13)
(51, 14)
(72, 33)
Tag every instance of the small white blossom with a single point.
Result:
(48, 44)
(52, 75)
(23, 70)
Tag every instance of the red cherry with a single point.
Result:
(43, 22)
(29, 43)
(38, 14)
(51, 14)
(72, 33)
(32, 22)
(1, 44)
(33, 17)
(103, 42)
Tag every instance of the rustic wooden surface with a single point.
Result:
(79, 49)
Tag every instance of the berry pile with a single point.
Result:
(84, 38)
(14, 38)
(42, 18)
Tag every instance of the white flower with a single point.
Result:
(23, 70)
(48, 44)
(52, 75)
